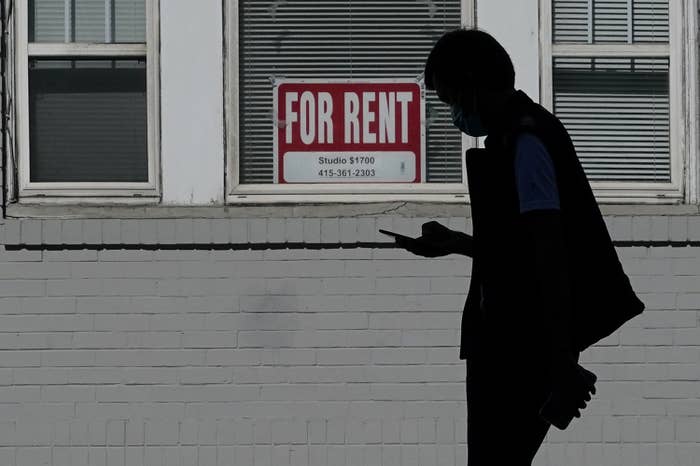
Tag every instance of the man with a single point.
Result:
(546, 282)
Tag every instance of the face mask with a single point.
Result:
(471, 124)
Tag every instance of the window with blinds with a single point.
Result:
(610, 21)
(101, 21)
(87, 114)
(339, 39)
(611, 86)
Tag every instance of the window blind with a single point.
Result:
(87, 115)
(97, 21)
(617, 113)
(87, 120)
(610, 21)
(339, 39)
(617, 110)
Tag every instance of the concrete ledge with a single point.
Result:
(405, 209)
(400, 209)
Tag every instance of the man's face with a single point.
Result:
(451, 95)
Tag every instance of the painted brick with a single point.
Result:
(312, 230)
(689, 301)
(11, 231)
(622, 228)
(92, 231)
(202, 230)
(348, 230)
(161, 432)
(678, 228)
(130, 231)
(220, 230)
(366, 230)
(275, 230)
(184, 230)
(294, 230)
(687, 429)
(641, 228)
(30, 231)
(51, 231)
(111, 231)
(165, 230)
(257, 230)
(330, 230)
(670, 318)
(342, 349)
(402, 285)
(694, 228)
(19, 288)
(239, 231)
(457, 224)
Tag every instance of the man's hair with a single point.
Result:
(464, 57)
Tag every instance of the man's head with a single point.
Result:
(471, 71)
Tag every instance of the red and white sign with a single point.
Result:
(349, 131)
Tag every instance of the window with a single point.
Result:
(86, 98)
(334, 39)
(612, 73)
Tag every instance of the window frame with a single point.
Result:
(682, 53)
(78, 192)
(238, 193)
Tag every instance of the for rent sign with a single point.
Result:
(349, 131)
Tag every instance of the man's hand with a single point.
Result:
(437, 241)
(571, 387)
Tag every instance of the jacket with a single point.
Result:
(601, 293)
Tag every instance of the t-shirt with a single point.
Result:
(534, 175)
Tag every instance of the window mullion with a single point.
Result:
(87, 49)
(591, 16)
(630, 21)
(109, 21)
(69, 20)
(611, 50)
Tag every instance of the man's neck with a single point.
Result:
(498, 107)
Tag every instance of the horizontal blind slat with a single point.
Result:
(617, 117)
(610, 21)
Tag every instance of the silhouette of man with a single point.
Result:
(542, 257)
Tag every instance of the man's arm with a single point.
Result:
(541, 218)
(544, 230)
(542, 224)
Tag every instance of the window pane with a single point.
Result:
(100, 21)
(129, 21)
(90, 21)
(617, 113)
(47, 21)
(610, 21)
(339, 39)
(88, 120)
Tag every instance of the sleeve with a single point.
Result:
(534, 175)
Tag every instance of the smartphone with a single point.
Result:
(396, 235)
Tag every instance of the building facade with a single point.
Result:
(166, 299)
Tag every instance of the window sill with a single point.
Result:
(304, 210)
(299, 210)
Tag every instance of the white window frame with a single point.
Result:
(87, 192)
(682, 53)
(238, 193)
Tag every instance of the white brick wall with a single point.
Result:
(339, 356)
